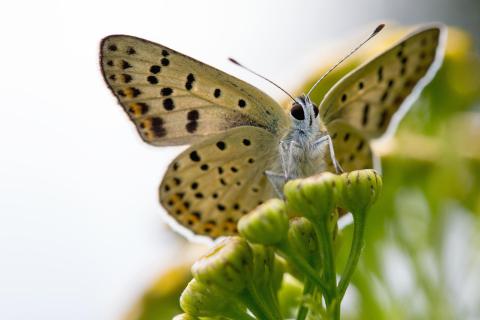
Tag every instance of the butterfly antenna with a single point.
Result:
(373, 34)
(258, 75)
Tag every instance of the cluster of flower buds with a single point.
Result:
(233, 277)
(240, 276)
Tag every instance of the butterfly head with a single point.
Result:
(304, 113)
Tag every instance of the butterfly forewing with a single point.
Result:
(212, 184)
(174, 99)
(368, 97)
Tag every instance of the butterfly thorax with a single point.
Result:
(302, 149)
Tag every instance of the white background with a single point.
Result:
(80, 229)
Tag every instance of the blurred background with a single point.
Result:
(81, 229)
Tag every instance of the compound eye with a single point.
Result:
(297, 112)
(315, 110)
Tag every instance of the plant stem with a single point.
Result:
(307, 290)
(326, 247)
(239, 314)
(253, 305)
(355, 250)
(303, 266)
(273, 299)
(325, 244)
(336, 308)
(267, 294)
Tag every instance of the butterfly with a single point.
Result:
(243, 144)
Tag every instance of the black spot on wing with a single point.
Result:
(360, 145)
(177, 181)
(384, 96)
(155, 69)
(131, 51)
(193, 115)
(194, 156)
(126, 78)
(168, 104)
(366, 109)
(192, 124)
(166, 92)
(221, 145)
(152, 79)
(380, 74)
(125, 65)
(165, 62)
(157, 127)
(190, 81)
(383, 119)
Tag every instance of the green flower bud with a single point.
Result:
(313, 197)
(279, 270)
(265, 280)
(360, 189)
(201, 301)
(226, 265)
(267, 224)
(263, 264)
(302, 238)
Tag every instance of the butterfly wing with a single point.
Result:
(212, 184)
(370, 96)
(174, 99)
(352, 149)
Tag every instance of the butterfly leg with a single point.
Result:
(288, 152)
(295, 152)
(277, 180)
(336, 164)
(317, 146)
(284, 155)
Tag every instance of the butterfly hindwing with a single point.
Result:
(352, 150)
(212, 184)
(369, 96)
(174, 99)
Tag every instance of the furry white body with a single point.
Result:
(303, 149)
